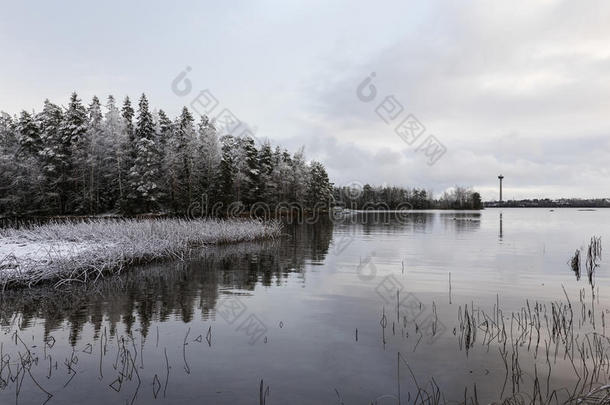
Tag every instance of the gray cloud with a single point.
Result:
(518, 89)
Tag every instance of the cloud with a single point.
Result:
(519, 89)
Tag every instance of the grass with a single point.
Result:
(86, 251)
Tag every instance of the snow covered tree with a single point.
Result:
(164, 128)
(79, 160)
(127, 114)
(251, 184)
(74, 134)
(144, 175)
(29, 134)
(298, 178)
(267, 186)
(319, 188)
(208, 160)
(8, 133)
(281, 175)
(10, 194)
(227, 171)
(180, 157)
(53, 157)
(114, 144)
(95, 135)
(20, 190)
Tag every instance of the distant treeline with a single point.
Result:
(548, 203)
(376, 197)
(88, 160)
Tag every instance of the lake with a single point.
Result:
(371, 308)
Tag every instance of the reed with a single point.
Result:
(86, 251)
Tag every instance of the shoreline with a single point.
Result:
(87, 251)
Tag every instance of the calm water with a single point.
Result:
(316, 317)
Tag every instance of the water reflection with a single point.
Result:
(183, 290)
(461, 221)
(328, 331)
(500, 226)
(388, 222)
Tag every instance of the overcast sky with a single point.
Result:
(520, 88)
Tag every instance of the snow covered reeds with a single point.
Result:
(68, 252)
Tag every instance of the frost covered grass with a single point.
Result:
(86, 251)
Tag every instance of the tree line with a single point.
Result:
(91, 160)
(553, 203)
(370, 197)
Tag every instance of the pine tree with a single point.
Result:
(22, 173)
(74, 135)
(164, 134)
(53, 156)
(95, 135)
(164, 129)
(281, 175)
(252, 186)
(9, 170)
(319, 188)
(208, 160)
(113, 147)
(298, 178)
(227, 171)
(127, 114)
(8, 133)
(29, 134)
(78, 160)
(267, 186)
(240, 174)
(180, 162)
(145, 173)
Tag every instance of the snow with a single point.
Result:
(22, 249)
(87, 250)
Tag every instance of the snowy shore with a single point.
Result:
(81, 252)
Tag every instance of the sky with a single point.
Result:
(517, 88)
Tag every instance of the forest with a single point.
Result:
(91, 160)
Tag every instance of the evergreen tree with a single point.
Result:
(74, 136)
(144, 176)
(21, 169)
(252, 186)
(267, 186)
(8, 133)
(114, 155)
(53, 157)
(164, 132)
(9, 147)
(180, 162)
(164, 128)
(319, 188)
(79, 160)
(29, 134)
(298, 177)
(95, 135)
(281, 175)
(225, 190)
(127, 113)
(208, 152)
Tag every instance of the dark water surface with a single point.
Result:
(317, 318)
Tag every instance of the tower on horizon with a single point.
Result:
(500, 177)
